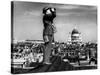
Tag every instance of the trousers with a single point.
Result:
(48, 46)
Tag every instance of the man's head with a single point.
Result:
(49, 11)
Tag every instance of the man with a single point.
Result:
(48, 32)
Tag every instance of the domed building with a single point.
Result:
(75, 36)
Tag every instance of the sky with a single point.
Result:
(28, 21)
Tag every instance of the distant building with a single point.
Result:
(35, 41)
(75, 37)
(27, 41)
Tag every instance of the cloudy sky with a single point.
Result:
(28, 21)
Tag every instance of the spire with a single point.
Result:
(75, 26)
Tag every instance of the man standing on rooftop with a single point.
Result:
(48, 32)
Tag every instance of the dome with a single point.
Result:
(75, 31)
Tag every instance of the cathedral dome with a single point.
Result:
(75, 31)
